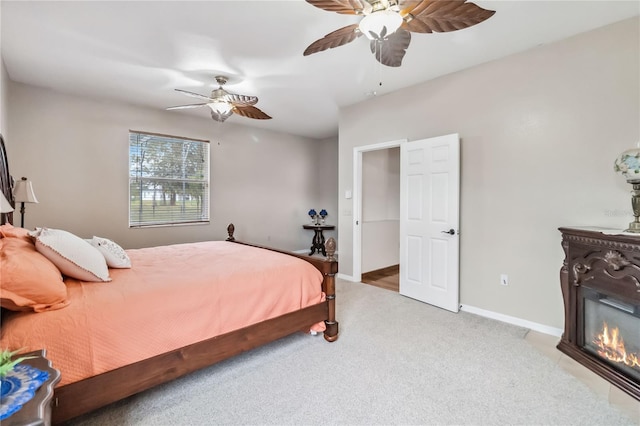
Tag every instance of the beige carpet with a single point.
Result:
(397, 361)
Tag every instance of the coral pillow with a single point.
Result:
(115, 255)
(28, 279)
(9, 231)
(73, 256)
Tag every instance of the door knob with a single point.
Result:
(450, 232)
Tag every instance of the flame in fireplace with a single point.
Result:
(611, 346)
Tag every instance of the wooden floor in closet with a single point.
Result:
(387, 278)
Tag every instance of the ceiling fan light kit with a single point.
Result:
(389, 23)
(224, 104)
(374, 25)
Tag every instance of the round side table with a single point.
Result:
(318, 238)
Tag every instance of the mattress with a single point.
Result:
(172, 296)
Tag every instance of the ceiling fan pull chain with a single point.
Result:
(378, 55)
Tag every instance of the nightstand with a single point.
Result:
(37, 411)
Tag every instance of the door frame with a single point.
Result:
(357, 200)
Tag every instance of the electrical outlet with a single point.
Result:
(504, 279)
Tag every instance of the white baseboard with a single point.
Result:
(346, 277)
(513, 320)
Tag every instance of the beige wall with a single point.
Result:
(4, 82)
(539, 133)
(75, 151)
(327, 182)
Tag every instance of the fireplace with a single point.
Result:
(600, 281)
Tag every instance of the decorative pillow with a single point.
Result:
(73, 256)
(9, 231)
(115, 255)
(29, 280)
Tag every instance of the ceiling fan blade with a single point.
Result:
(390, 50)
(337, 38)
(241, 100)
(406, 6)
(345, 7)
(194, 95)
(250, 112)
(444, 15)
(187, 106)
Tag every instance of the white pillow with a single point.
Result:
(73, 256)
(115, 255)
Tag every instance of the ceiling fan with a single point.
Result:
(223, 104)
(388, 24)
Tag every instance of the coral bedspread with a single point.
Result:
(173, 296)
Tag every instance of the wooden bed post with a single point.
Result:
(230, 230)
(329, 287)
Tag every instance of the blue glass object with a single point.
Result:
(18, 387)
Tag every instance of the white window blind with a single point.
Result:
(168, 180)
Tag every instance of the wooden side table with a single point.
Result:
(37, 411)
(318, 239)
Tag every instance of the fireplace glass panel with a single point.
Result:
(612, 332)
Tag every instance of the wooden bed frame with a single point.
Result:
(86, 395)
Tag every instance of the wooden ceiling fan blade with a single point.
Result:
(406, 6)
(241, 100)
(336, 38)
(188, 106)
(391, 50)
(194, 95)
(444, 16)
(345, 7)
(250, 112)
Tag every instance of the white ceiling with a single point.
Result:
(139, 52)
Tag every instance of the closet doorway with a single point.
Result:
(370, 258)
(381, 218)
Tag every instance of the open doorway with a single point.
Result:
(381, 218)
(375, 235)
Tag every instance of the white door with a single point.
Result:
(429, 220)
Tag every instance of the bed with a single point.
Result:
(185, 331)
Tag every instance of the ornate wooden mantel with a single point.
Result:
(608, 262)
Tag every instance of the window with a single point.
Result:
(168, 180)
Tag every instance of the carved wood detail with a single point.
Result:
(613, 261)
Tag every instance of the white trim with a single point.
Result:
(513, 320)
(347, 278)
(357, 201)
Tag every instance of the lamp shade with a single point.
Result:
(23, 192)
(373, 24)
(5, 205)
(628, 164)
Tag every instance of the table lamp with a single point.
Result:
(628, 164)
(23, 193)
